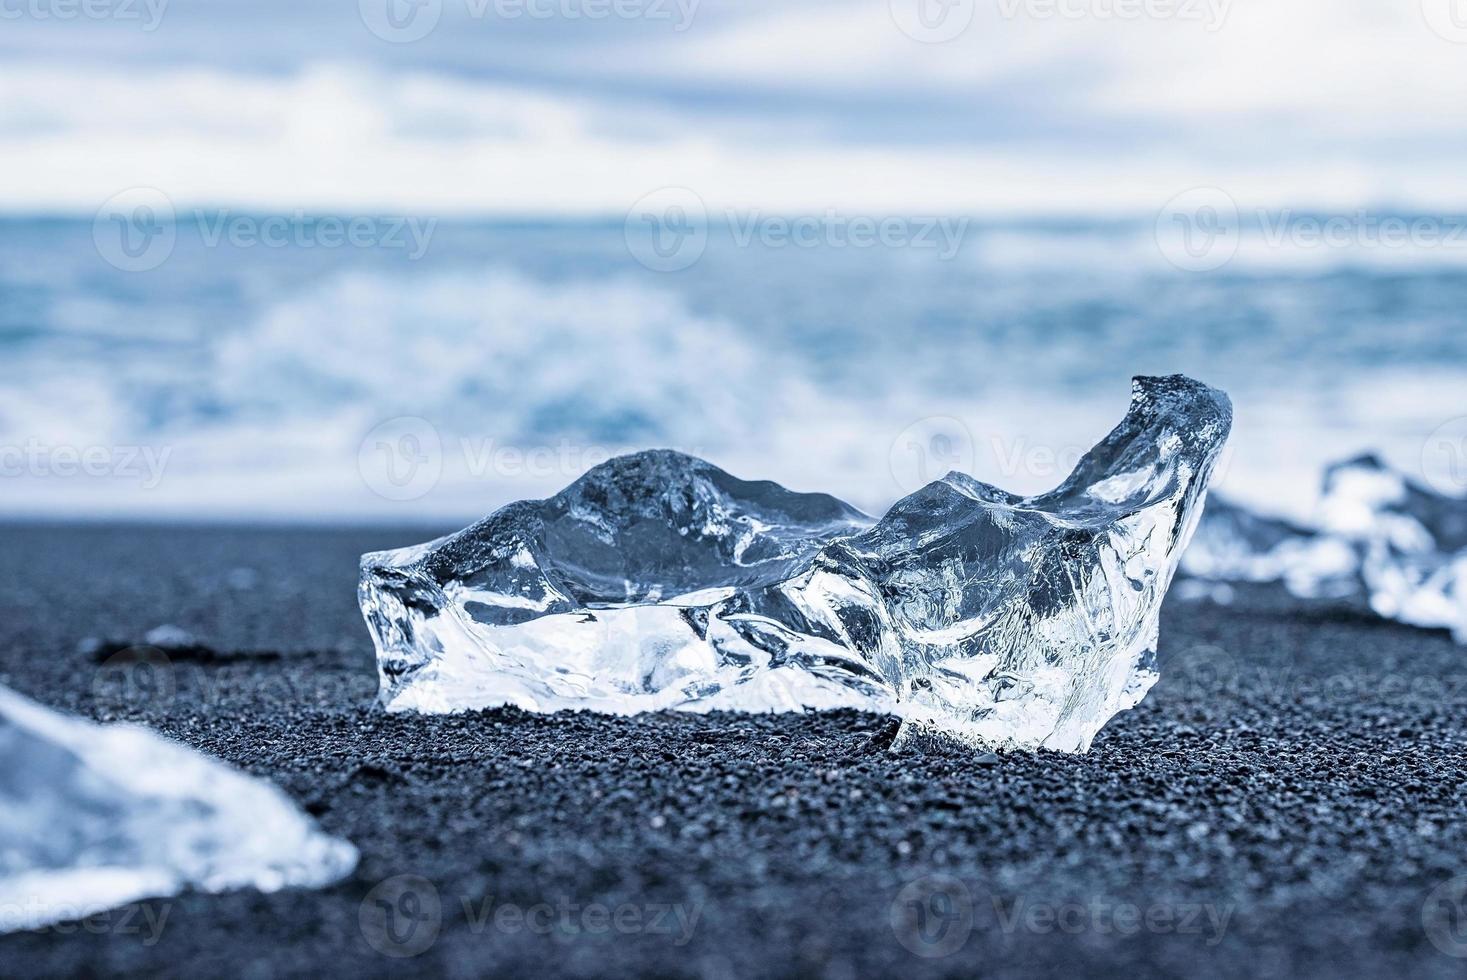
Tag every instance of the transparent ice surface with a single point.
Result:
(659, 581)
(98, 816)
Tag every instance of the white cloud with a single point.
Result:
(1285, 104)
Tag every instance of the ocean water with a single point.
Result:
(438, 376)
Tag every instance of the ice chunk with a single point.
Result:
(1233, 544)
(98, 816)
(1378, 536)
(659, 581)
(1413, 542)
(170, 637)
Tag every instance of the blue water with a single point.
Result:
(259, 371)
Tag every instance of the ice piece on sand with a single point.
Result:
(1233, 544)
(659, 581)
(99, 816)
(1380, 536)
(170, 637)
(1413, 542)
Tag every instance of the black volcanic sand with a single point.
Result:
(1283, 804)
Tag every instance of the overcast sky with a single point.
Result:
(583, 106)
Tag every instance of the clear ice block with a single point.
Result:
(658, 581)
(99, 816)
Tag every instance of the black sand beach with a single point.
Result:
(1283, 804)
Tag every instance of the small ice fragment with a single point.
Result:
(1198, 590)
(170, 637)
(659, 581)
(1413, 542)
(1379, 536)
(99, 816)
(1233, 544)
